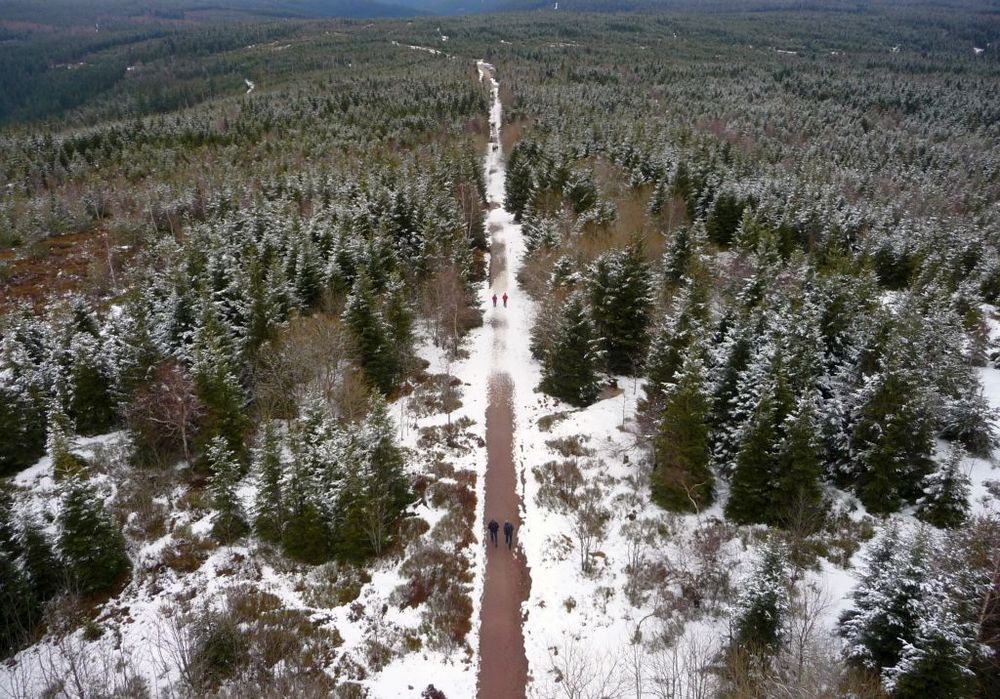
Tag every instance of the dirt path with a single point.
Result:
(503, 666)
(503, 669)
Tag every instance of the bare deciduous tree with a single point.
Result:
(311, 356)
(164, 413)
(589, 518)
(578, 672)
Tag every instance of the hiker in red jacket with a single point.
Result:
(505, 299)
(494, 300)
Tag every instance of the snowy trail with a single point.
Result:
(503, 669)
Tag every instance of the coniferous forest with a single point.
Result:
(245, 261)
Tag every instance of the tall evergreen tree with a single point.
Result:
(372, 337)
(230, 521)
(217, 387)
(759, 619)
(945, 499)
(17, 606)
(91, 404)
(892, 439)
(682, 480)
(266, 466)
(569, 366)
(44, 572)
(376, 491)
(399, 318)
(799, 462)
(685, 327)
(519, 183)
(620, 284)
(22, 407)
(886, 601)
(91, 543)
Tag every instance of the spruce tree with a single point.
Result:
(799, 462)
(682, 479)
(91, 404)
(59, 442)
(134, 350)
(91, 543)
(372, 337)
(44, 572)
(312, 486)
(380, 487)
(22, 407)
(17, 606)
(399, 318)
(217, 387)
(620, 286)
(519, 183)
(935, 662)
(752, 487)
(230, 521)
(268, 508)
(759, 619)
(569, 366)
(886, 601)
(892, 439)
(684, 328)
(945, 499)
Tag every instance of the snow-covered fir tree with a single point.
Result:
(90, 542)
(569, 368)
(230, 521)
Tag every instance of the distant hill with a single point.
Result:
(65, 13)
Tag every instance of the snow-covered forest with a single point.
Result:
(249, 339)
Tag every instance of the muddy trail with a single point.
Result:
(503, 669)
(503, 666)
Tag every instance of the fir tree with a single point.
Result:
(91, 543)
(724, 218)
(568, 369)
(399, 318)
(217, 388)
(382, 490)
(753, 485)
(519, 183)
(22, 407)
(684, 328)
(620, 286)
(135, 352)
(312, 485)
(268, 509)
(935, 661)
(759, 619)
(59, 442)
(892, 439)
(44, 572)
(17, 606)
(230, 521)
(799, 462)
(945, 500)
(682, 480)
(372, 337)
(885, 601)
(91, 405)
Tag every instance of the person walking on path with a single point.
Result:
(508, 533)
(493, 527)
(494, 300)
(505, 299)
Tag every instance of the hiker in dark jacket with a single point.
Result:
(508, 533)
(493, 527)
